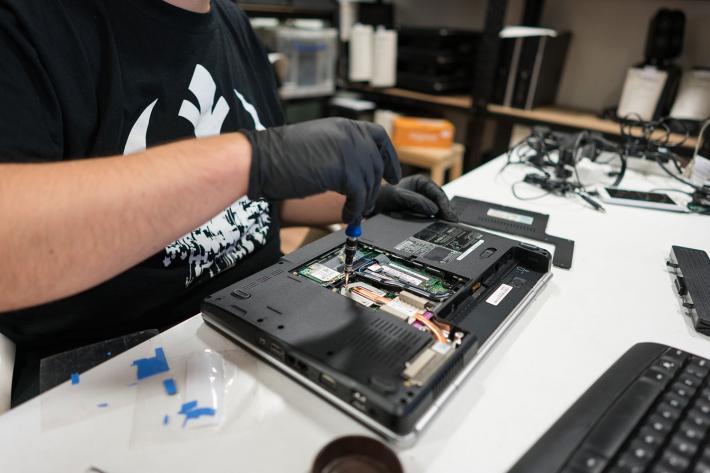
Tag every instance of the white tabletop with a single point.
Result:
(617, 293)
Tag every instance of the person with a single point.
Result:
(146, 164)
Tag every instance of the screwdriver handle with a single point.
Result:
(353, 231)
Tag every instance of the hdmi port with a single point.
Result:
(276, 350)
(328, 381)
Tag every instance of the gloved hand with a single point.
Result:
(416, 194)
(335, 154)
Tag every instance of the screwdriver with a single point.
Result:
(352, 232)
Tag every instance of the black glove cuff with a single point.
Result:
(254, 191)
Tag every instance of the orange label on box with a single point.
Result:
(424, 132)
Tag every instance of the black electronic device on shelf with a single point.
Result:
(530, 68)
(649, 412)
(436, 60)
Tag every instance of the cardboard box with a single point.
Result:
(423, 132)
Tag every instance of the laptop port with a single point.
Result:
(328, 381)
(301, 366)
(276, 350)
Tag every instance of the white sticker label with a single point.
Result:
(499, 295)
(510, 216)
(323, 272)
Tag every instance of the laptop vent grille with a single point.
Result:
(384, 342)
(447, 376)
(263, 279)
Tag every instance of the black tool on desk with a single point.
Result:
(692, 282)
(649, 412)
(514, 221)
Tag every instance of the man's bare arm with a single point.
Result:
(66, 227)
(314, 211)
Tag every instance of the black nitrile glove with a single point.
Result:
(331, 154)
(416, 194)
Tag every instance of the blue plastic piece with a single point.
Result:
(353, 231)
(151, 366)
(75, 378)
(166, 419)
(170, 387)
(103, 404)
(191, 411)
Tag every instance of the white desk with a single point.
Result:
(616, 294)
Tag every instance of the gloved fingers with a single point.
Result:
(392, 170)
(407, 200)
(354, 208)
(429, 188)
(372, 169)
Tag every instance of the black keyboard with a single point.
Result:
(649, 412)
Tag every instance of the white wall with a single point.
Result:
(609, 36)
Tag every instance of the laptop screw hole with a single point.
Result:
(259, 320)
(410, 394)
(329, 353)
(280, 327)
(403, 401)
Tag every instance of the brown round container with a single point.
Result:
(356, 454)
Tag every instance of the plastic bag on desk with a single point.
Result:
(95, 392)
(213, 391)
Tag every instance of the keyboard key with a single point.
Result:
(689, 381)
(674, 461)
(703, 406)
(669, 366)
(668, 412)
(677, 356)
(659, 424)
(630, 462)
(684, 446)
(676, 401)
(682, 390)
(700, 420)
(696, 369)
(690, 431)
(587, 461)
(650, 437)
(702, 467)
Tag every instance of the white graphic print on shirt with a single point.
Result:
(235, 232)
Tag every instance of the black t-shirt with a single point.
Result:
(88, 78)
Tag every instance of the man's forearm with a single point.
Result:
(318, 210)
(106, 215)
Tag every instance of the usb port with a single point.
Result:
(328, 381)
(276, 350)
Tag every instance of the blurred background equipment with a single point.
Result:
(530, 66)
(310, 57)
(436, 60)
(650, 87)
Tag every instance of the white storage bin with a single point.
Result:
(311, 56)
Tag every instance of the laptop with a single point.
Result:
(426, 302)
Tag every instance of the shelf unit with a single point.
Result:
(456, 102)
